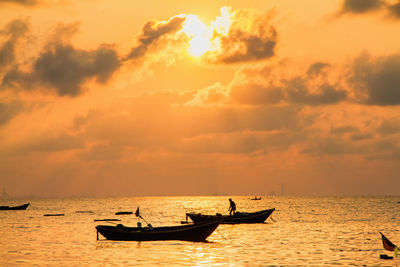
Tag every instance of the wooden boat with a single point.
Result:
(21, 207)
(238, 217)
(191, 232)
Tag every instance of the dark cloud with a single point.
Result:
(311, 88)
(317, 68)
(298, 91)
(64, 68)
(153, 32)
(365, 6)
(14, 31)
(376, 82)
(248, 45)
(21, 2)
(362, 6)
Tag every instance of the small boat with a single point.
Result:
(21, 207)
(238, 217)
(190, 232)
(256, 198)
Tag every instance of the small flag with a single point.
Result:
(137, 212)
(387, 244)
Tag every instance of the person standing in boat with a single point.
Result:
(232, 207)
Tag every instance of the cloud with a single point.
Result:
(362, 6)
(376, 81)
(358, 7)
(14, 30)
(310, 88)
(246, 43)
(317, 68)
(21, 2)
(153, 32)
(394, 10)
(63, 68)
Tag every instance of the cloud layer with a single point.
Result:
(64, 68)
(366, 6)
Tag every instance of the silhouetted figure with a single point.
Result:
(232, 207)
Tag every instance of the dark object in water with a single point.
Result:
(53, 214)
(107, 220)
(387, 244)
(385, 257)
(238, 217)
(22, 207)
(123, 213)
(256, 198)
(190, 232)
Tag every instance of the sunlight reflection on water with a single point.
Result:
(308, 231)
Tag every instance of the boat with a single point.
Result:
(190, 232)
(238, 217)
(256, 198)
(21, 207)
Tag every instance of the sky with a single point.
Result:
(127, 98)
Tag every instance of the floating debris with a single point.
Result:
(385, 257)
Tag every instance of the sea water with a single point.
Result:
(302, 231)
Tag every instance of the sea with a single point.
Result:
(302, 231)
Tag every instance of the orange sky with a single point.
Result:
(199, 97)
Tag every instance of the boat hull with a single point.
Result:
(22, 207)
(239, 217)
(192, 232)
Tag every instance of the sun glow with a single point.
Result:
(205, 38)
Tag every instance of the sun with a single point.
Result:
(204, 38)
(200, 35)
